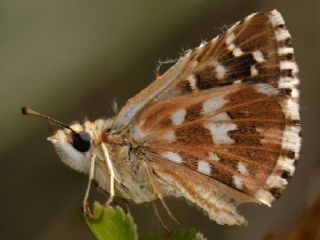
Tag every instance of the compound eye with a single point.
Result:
(81, 141)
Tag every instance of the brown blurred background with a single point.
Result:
(72, 58)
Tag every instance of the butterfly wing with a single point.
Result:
(256, 49)
(226, 114)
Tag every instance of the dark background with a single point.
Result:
(72, 58)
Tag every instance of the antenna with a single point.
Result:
(30, 112)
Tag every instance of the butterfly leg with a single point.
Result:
(157, 191)
(111, 172)
(85, 203)
(156, 212)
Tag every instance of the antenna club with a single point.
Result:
(24, 110)
(28, 111)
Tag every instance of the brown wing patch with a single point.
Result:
(249, 115)
(193, 135)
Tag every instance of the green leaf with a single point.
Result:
(111, 223)
(114, 224)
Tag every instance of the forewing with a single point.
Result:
(256, 49)
(227, 111)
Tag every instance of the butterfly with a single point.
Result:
(221, 127)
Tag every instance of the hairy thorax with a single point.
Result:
(132, 180)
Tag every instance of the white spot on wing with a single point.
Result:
(253, 70)
(172, 156)
(231, 46)
(237, 181)
(237, 52)
(258, 56)
(212, 105)
(204, 167)
(230, 38)
(219, 132)
(242, 168)
(266, 89)
(192, 80)
(213, 156)
(220, 69)
(178, 116)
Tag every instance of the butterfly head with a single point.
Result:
(75, 143)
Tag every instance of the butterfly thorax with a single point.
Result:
(132, 180)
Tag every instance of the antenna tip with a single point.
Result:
(24, 110)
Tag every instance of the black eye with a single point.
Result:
(81, 141)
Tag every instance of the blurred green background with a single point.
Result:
(71, 59)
